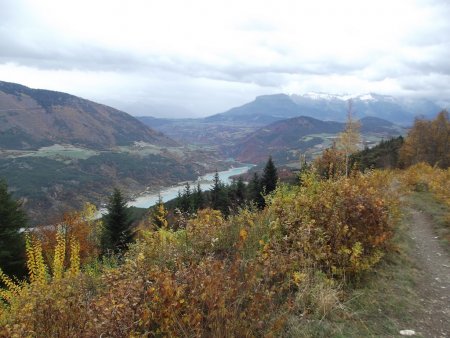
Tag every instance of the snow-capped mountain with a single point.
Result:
(339, 97)
(332, 107)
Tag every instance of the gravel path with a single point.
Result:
(434, 284)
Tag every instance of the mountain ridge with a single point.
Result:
(270, 108)
(32, 118)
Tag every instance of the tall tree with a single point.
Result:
(349, 139)
(198, 200)
(216, 191)
(219, 196)
(270, 177)
(239, 192)
(186, 199)
(428, 141)
(117, 225)
(440, 129)
(12, 244)
(255, 191)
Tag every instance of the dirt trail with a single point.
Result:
(434, 285)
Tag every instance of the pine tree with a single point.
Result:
(219, 196)
(216, 191)
(255, 191)
(186, 196)
(270, 177)
(12, 243)
(117, 226)
(198, 200)
(179, 200)
(239, 193)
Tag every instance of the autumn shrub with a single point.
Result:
(79, 225)
(204, 230)
(341, 226)
(423, 177)
(331, 163)
(50, 297)
(56, 309)
(215, 277)
(439, 184)
(416, 177)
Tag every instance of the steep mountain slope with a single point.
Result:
(285, 139)
(30, 118)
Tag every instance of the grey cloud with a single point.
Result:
(61, 55)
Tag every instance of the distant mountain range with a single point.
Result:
(270, 108)
(31, 118)
(233, 126)
(286, 139)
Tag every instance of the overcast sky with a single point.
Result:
(178, 57)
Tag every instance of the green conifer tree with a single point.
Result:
(216, 191)
(198, 198)
(239, 193)
(219, 195)
(12, 244)
(117, 225)
(270, 177)
(186, 199)
(255, 191)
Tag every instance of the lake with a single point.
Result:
(169, 193)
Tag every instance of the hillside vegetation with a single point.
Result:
(215, 276)
(293, 268)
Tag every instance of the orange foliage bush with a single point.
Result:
(80, 226)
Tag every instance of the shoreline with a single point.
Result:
(149, 197)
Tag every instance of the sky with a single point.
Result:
(178, 58)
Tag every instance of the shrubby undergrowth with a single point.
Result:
(245, 275)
